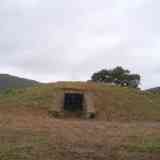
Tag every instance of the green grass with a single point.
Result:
(148, 146)
(111, 102)
(28, 144)
(24, 145)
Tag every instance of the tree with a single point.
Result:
(117, 76)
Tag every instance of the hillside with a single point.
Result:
(9, 82)
(111, 102)
(29, 134)
(154, 90)
(126, 126)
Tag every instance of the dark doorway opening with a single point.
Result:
(73, 102)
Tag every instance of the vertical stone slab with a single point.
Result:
(58, 100)
(89, 104)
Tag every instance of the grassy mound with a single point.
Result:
(111, 102)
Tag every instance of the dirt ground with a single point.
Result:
(30, 134)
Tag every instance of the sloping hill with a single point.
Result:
(27, 132)
(112, 103)
(154, 90)
(9, 81)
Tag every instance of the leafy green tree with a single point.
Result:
(117, 76)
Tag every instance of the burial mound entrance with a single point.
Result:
(73, 102)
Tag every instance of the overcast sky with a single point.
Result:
(51, 40)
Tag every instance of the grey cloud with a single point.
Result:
(68, 40)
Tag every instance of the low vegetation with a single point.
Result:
(126, 125)
(111, 102)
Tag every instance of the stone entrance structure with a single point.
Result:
(71, 101)
(74, 102)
